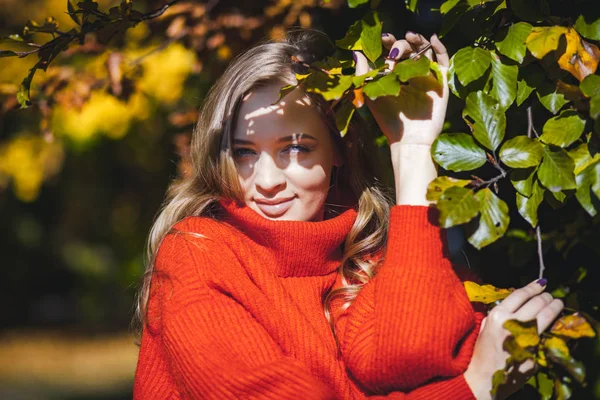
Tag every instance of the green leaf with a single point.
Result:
(7, 53)
(448, 5)
(551, 98)
(512, 44)
(457, 205)
(499, 378)
(563, 129)
(558, 351)
(521, 152)
(528, 206)
(470, 63)
(493, 221)
(523, 91)
(360, 79)
(439, 75)
(582, 157)
(457, 152)
(595, 107)
(543, 384)
(489, 120)
(522, 180)
(352, 39)
(556, 170)
(525, 332)
(504, 79)
(411, 68)
(412, 5)
(23, 93)
(591, 29)
(343, 115)
(331, 87)
(387, 85)
(590, 85)
(356, 3)
(370, 35)
(440, 184)
(588, 182)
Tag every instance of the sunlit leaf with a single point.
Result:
(360, 79)
(573, 326)
(412, 5)
(522, 180)
(525, 332)
(556, 170)
(551, 97)
(486, 294)
(441, 183)
(470, 63)
(411, 68)
(528, 206)
(448, 5)
(542, 382)
(499, 378)
(562, 390)
(343, 115)
(588, 26)
(563, 129)
(543, 40)
(504, 78)
(352, 40)
(582, 157)
(512, 44)
(457, 152)
(331, 87)
(559, 352)
(489, 120)
(521, 152)
(494, 219)
(23, 93)
(356, 3)
(457, 206)
(523, 91)
(588, 184)
(387, 85)
(370, 35)
(580, 57)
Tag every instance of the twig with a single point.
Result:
(530, 127)
(480, 182)
(538, 233)
(159, 12)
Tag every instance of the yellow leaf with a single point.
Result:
(558, 347)
(543, 40)
(580, 58)
(541, 358)
(485, 293)
(525, 333)
(573, 326)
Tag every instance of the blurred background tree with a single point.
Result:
(84, 168)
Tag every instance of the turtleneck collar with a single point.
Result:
(299, 248)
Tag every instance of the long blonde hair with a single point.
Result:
(214, 174)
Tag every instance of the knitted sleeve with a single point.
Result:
(214, 346)
(413, 322)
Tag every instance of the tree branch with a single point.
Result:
(538, 233)
(530, 127)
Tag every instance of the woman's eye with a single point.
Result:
(241, 153)
(296, 148)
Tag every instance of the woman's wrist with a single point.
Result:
(414, 169)
(476, 383)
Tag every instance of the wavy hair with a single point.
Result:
(354, 184)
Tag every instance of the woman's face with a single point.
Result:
(283, 154)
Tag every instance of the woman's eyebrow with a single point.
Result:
(296, 136)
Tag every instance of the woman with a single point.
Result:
(281, 270)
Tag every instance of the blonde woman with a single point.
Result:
(280, 269)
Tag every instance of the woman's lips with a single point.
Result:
(275, 210)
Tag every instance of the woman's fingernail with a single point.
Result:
(394, 52)
(541, 282)
(385, 34)
(354, 56)
(410, 32)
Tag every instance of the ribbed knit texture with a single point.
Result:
(236, 312)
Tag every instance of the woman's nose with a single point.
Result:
(268, 175)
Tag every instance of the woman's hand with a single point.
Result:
(412, 120)
(524, 304)
(416, 116)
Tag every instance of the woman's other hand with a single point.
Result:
(525, 304)
(416, 116)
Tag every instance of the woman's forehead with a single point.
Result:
(262, 117)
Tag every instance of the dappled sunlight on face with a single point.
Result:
(284, 154)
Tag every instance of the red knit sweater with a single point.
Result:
(236, 313)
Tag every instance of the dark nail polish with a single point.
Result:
(394, 53)
(354, 56)
(541, 282)
(385, 34)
